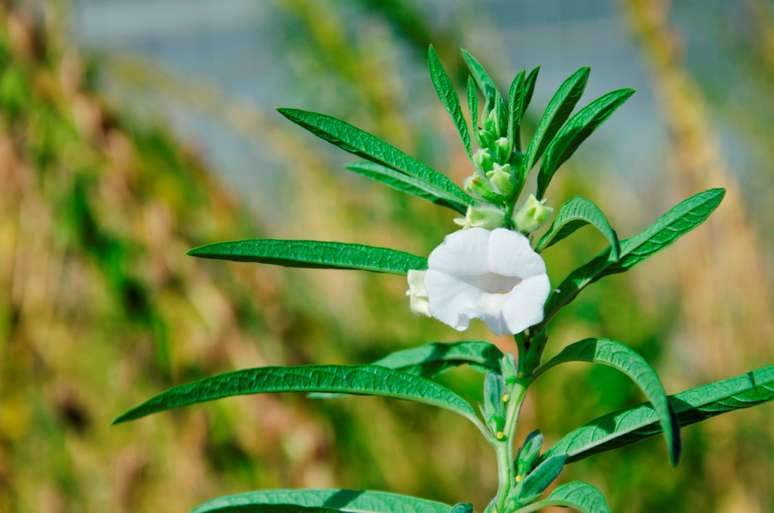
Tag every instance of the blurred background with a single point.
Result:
(132, 131)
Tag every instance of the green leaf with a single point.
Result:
(434, 358)
(473, 105)
(448, 96)
(575, 214)
(575, 494)
(361, 143)
(313, 254)
(556, 113)
(462, 507)
(484, 81)
(514, 95)
(342, 379)
(624, 359)
(430, 360)
(354, 501)
(679, 220)
(540, 478)
(632, 425)
(577, 129)
(407, 184)
(528, 89)
(529, 452)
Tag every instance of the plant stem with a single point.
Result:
(530, 347)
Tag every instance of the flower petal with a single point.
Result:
(524, 306)
(510, 254)
(463, 252)
(452, 301)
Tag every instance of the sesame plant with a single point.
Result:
(489, 269)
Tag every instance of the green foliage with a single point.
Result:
(575, 131)
(408, 184)
(339, 379)
(448, 97)
(368, 146)
(556, 113)
(575, 214)
(577, 495)
(431, 359)
(499, 175)
(679, 220)
(640, 422)
(540, 478)
(624, 359)
(354, 501)
(313, 254)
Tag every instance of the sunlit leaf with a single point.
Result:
(353, 501)
(631, 425)
(575, 214)
(626, 360)
(577, 129)
(578, 495)
(361, 143)
(556, 113)
(679, 220)
(407, 184)
(341, 379)
(448, 96)
(431, 359)
(484, 81)
(313, 254)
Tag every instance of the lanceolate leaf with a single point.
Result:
(473, 105)
(354, 501)
(484, 81)
(527, 90)
(514, 95)
(575, 494)
(679, 220)
(575, 131)
(573, 215)
(314, 254)
(448, 96)
(407, 184)
(622, 358)
(342, 379)
(540, 478)
(631, 425)
(361, 143)
(556, 113)
(431, 359)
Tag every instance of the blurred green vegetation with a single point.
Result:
(101, 308)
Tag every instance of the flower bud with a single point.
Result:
(500, 177)
(483, 159)
(532, 214)
(503, 150)
(485, 216)
(490, 123)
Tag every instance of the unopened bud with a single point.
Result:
(501, 179)
(503, 148)
(490, 123)
(487, 217)
(500, 435)
(483, 159)
(532, 214)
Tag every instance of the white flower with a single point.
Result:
(417, 293)
(493, 275)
